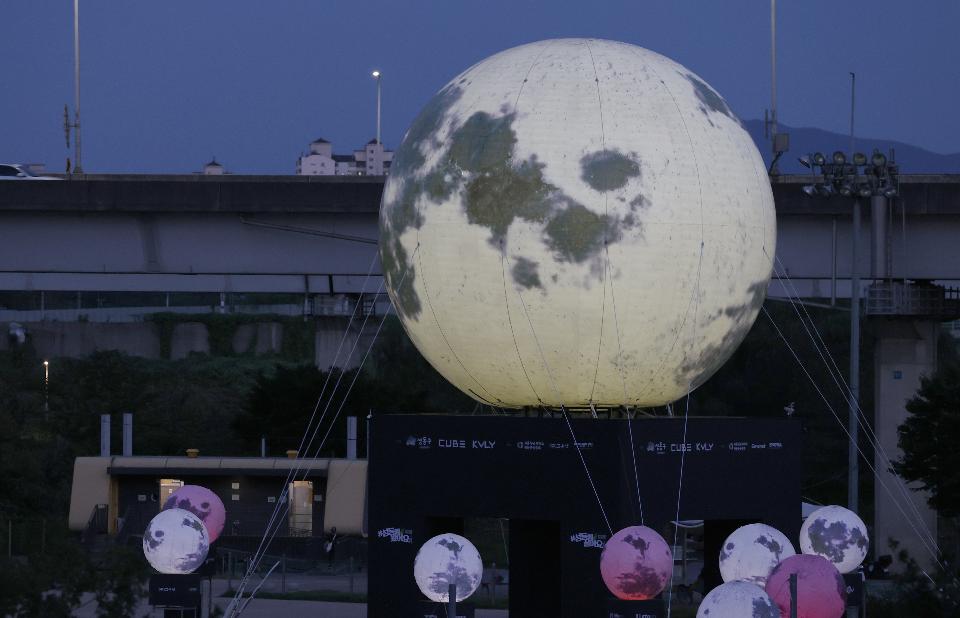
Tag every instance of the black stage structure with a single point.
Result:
(427, 473)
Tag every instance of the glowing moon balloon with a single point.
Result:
(204, 504)
(821, 591)
(751, 552)
(573, 218)
(447, 559)
(738, 600)
(636, 563)
(175, 542)
(838, 535)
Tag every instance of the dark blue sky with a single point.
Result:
(168, 84)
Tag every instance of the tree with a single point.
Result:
(929, 438)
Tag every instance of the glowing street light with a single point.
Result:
(46, 386)
(376, 76)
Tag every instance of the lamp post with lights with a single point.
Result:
(858, 178)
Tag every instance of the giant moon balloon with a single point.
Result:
(838, 535)
(175, 542)
(751, 552)
(821, 591)
(738, 600)
(447, 559)
(636, 563)
(577, 221)
(204, 504)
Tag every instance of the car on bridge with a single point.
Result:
(15, 171)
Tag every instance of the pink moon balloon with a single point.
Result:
(204, 504)
(821, 591)
(636, 564)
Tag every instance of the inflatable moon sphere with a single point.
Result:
(447, 559)
(738, 600)
(204, 504)
(577, 221)
(838, 535)
(751, 552)
(636, 563)
(821, 591)
(175, 542)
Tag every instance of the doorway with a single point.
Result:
(167, 487)
(300, 521)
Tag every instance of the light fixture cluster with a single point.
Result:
(857, 177)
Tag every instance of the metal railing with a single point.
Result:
(896, 298)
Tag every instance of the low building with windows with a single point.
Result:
(371, 160)
(118, 496)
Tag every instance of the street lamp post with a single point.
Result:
(46, 386)
(376, 75)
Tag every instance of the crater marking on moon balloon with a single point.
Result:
(608, 170)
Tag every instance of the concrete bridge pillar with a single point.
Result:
(905, 351)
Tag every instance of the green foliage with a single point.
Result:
(935, 592)
(51, 584)
(298, 334)
(762, 378)
(928, 439)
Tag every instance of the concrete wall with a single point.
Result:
(905, 351)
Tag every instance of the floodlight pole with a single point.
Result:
(77, 165)
(853, 461)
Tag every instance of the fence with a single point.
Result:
(26, 537)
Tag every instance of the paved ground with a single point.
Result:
(269, 608)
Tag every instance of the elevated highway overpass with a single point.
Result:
(317, 235)
(307, 243)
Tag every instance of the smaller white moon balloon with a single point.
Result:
(838, 535)
(751, 552)
(447, 559)
(738, 600)
(175, 542)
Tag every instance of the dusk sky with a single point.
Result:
(167, 85)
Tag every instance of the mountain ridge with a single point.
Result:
(806, 140)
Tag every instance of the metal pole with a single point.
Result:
(9, 538)
(452, 599)
(833, 275)
(77, 167)
(378, 108)
(283, 573)
(853, 98)
(773, 75)
(853, 463)
(127, 434)
(793, 595)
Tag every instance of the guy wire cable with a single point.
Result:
(563, 410)
(843, 427)
(683, 449)
(847, 395)
(349, 389)
(343, 337)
